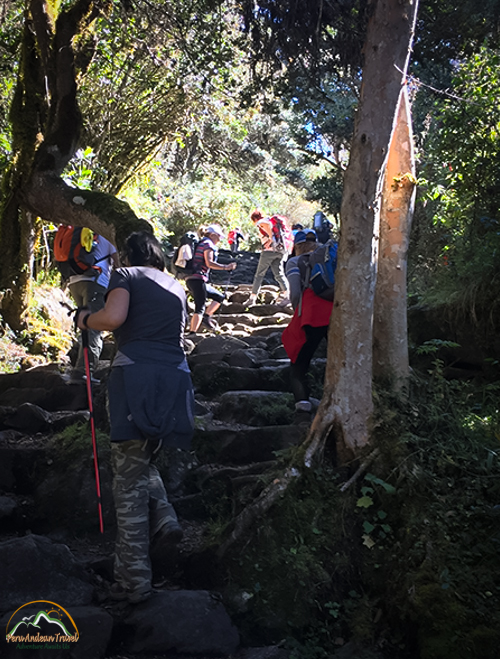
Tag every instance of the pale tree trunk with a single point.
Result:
(346, 407)
(390, 331)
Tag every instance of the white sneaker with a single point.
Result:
(252, 300)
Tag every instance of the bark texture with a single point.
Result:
(390, 329)
(347, 405)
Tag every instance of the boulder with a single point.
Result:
(219, 344)
(34, 568)
(32, 419)
(214, 379)
(7, 506)
(184, 621)
(239, 445)
(255, 408)
(247, 358)
(42, 386)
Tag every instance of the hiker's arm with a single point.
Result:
(209, 260)
(111, 317)
(294, 282)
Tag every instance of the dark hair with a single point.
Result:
(142, 248)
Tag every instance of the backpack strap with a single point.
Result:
(307, 277)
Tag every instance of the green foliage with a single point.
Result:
(459, 238)
(12, 355)
(411, 545)
(74, 442)
(288, 567)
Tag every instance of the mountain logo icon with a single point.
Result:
(41, 623)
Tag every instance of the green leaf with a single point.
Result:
(390, 489)
(368, 526)
(364, 502)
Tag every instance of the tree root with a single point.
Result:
(260, 506)
(360, 470)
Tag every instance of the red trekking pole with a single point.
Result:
(85, 345)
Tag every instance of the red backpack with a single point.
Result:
(282, 238)
(70, 255)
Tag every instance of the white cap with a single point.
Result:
(215, 228)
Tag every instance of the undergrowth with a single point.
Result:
(405, 561)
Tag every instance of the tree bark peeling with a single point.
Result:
(348, 381)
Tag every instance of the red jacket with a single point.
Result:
(315, 312)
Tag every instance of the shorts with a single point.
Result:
(200, 291)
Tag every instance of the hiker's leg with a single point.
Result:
(91, 295)
(216, 297)
(298, 370)
(262, 267)
(161, 511)
(278, 271)
(199, 292)
(95, 302)
(131, 468)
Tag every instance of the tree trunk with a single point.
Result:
(347, 405)
(390, 330)
(46, 123)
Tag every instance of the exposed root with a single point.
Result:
(361, 470)
(260, 506)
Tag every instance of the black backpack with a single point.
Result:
(190, 239)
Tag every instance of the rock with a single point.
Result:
(33, 567)
(270, 652)
(239, 297)
(240, 445)
(216, 378)
(248, 358)
(193, 622)
(219, 344)
(68, 496)
(266, 331)
(56, 395)
(7, 506)
(21, 466)
(255, 408)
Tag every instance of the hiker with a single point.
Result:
(183, 255)
(204, 260)
(233, 238)
(88, 290)
(322, 226)
(270, 257)
(151, 404)
(309, 324)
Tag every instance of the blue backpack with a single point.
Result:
(320, 276)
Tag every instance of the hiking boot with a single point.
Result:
(303, 412)
(282, 302)
(169, 535)
(301, 417)
(209, 323)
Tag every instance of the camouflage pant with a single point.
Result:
(142, 508)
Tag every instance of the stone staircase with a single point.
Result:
(244, 421)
